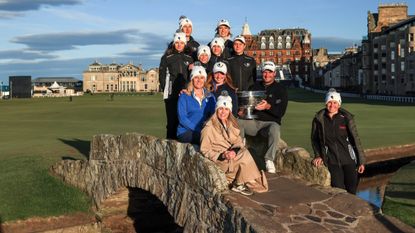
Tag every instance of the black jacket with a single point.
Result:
(193, 45)
(242, 69)
(213, 59)
(318, 137)
(177, 65)
(277, 97)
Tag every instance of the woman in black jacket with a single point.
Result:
(173, 77)
(336, 144)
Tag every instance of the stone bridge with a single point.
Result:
(195, 191)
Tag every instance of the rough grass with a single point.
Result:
(399, 198)
(35, 133)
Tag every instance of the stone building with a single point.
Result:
(119, 78)
(289, 49)
(388, 52)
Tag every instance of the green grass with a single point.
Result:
(36, 133)
(400, 195)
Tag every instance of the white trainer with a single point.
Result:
(270, 166)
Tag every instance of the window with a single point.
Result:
(279, 53)
(411, 37)
(93, 78)
(288, 38)
(288, 45)
(392, 55)
(271, 39)
(296, 68)
(288, 52)
(392, 67)
(306, 68)
(279, 39)
(279, 46)
(263, 54)
(402, 52)
(383, 47)
(263, 45)
(108, 87)
(271, 45)
(271, 53)
(263, 40)
(402, 66)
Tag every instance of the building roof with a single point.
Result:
(55, 79)
(400, 24)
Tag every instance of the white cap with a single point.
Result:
(198, 71)
(268, 65)
(332, 94)
(224, 101)
(179, 36)
(223, 22)
(203, 49)
(218, 41)
(240, 38)
(220, 67)
(185, 21)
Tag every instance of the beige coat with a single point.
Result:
(242, 169)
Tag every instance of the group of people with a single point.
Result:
(199, 84)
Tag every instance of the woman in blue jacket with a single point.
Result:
(194, 108)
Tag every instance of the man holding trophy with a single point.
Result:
(266, 116)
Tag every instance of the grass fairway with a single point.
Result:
(35, 133)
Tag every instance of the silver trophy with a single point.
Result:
(247, 100)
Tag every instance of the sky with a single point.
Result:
(60, 38)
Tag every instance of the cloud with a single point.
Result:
(9, 15)
(150, 44)
(333, 44)
(70, 40)
(26, 5)
(24, 55)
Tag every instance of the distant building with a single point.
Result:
(119, 78)
(322, 62)
(4, 90)
(289, 49)
(56, 86)
(388, 52)
(20, 86)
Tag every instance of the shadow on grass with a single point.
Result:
(149, 213)
(81, 145)
(1, 225)
(388, 224)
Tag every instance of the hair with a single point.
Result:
(231, 121)
(210, 79)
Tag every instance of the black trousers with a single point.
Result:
(344, 177)
(172, 118)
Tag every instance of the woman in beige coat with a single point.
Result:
(221, 143)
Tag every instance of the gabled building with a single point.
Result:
(289, 49)
(119, 78)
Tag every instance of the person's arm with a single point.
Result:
(315, 143)
(182, 110)
(278, 103)
(206, 140)
(162, 72)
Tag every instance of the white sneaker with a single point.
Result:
(270, 166)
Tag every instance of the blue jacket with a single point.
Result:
(191, 114)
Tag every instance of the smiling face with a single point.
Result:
(204, 58)
(224, 31)
(179, 46)
(223, 113)
(268, 77)
(198, 82)
(219, 78)
(217, 50)
(332, 107)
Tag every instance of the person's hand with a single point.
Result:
(230, 154)
(317, 161)
(361, 169)
(263, 105)
(190, 67)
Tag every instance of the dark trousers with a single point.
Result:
(189, 137)
(172, 119)
(344, 177)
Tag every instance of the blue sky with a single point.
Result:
(62, 37)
